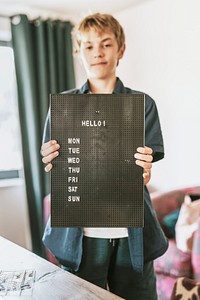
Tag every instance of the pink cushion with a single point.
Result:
(196, 254)
(164, 286)
(174, 262)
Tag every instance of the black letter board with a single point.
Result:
(95, 181)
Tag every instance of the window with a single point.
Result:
(10, 150)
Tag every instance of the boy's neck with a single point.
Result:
(102, 86)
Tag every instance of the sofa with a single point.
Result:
(175, 263)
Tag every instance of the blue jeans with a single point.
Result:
(106, 262)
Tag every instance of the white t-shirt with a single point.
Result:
(105, 233)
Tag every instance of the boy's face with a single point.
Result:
(100, 54)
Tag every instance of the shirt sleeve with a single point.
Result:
(153, 133)
(46, 132)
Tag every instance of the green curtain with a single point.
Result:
(44, 65)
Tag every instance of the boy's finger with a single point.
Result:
(50, 149)
(48, 167)
(145, 174)
(48, 144)
(143, 164)
(47, 159)
(144, 157)
(144, 150)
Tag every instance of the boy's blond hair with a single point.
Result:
(100, 23)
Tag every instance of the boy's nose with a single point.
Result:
(98, 53)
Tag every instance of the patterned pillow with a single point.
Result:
(174, 262)
(185, 289)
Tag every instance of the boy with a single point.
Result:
(121, 258)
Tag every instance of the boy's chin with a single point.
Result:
(99, 76)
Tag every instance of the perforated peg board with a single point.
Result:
(95, 181)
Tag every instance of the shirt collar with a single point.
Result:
(85, 88)
(119, 88)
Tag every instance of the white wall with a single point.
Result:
(163, 60)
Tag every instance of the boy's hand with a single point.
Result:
(49, 152)
(144, 159)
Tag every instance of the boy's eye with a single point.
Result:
(107, 45)
(88, 48)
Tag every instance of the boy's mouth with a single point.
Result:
(99, 64)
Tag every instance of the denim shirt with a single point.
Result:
(146, 243)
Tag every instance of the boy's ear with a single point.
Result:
(121, 51)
